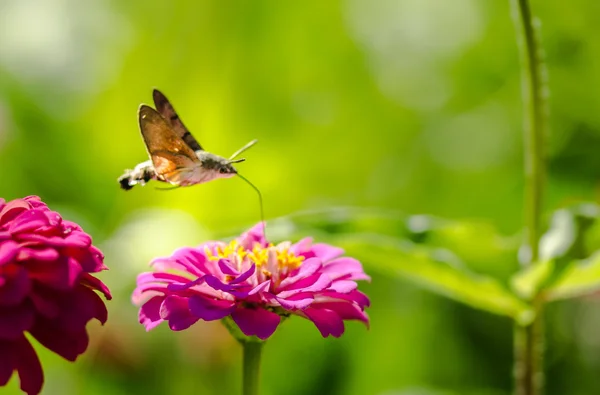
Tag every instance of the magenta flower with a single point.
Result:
(46, 288)
(254, 283)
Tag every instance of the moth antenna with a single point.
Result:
(260, 201)
(168, 189)
(237, 160)
(244, 148)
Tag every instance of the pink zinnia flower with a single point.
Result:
(45, 288)
(255, 283)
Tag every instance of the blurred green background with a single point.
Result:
(410, 106)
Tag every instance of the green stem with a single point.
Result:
(533, 75)
(529, 340)
(251, 376)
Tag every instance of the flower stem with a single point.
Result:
(251, 375)
(529, 340)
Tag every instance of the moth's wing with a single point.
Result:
(170, 155)
(165, 108)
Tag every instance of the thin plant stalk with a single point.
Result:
(251, 367)
(529, 340)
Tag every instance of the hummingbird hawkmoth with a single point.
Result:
(175, 155)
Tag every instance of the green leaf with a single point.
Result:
(439, 271)
(559, 248)
(529, 281)
(478, 243)
(579, 278)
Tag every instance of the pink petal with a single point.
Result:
(70, 311)
(298, 301)
(186, 284)
(95, 284)
(346, 268)
(160, 282)
(149, 314)
(12, 210)
(70, 226)
(7, 362)
(244, 276)
(233, 287)
(75, 239)
(314, 283)
(83, 305)
(41, 254)
(15, 321)
(28, 221)
(325, 252)
(262, 287)
(91, 259)
(176, 310)
(210, 309)
(347, 311)
(60, 274)
(68, 345)
(355, 296)
(328, 322)
(188, 260)
(44, 305)
(53, 218)
(227, 268)
(302, 246)
(35, 201)
(256, 322)
(217, 284)
(16, 287)
(343, 286)
(166, 264)
(19, 355)
(198, 259)
(29, 369)
(162, 277)
(8, 251)
(306, 269)
(78, 240)
(252, 237)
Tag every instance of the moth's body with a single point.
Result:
(175, 156)
(210, 168)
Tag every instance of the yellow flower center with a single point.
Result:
(232, 248)
(258, 255)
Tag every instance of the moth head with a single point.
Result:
(226, 170)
